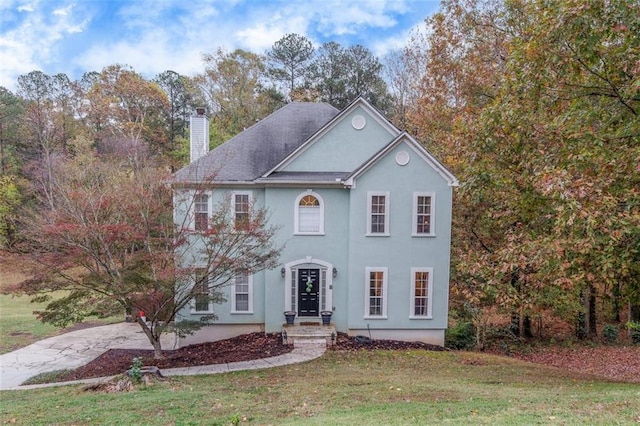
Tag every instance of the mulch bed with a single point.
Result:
(242, 348)
(345, 342)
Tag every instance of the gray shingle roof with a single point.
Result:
(248, 155)
(303, 177)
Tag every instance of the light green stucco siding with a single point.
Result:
(332, 247)
(343, 148)
(400, 251)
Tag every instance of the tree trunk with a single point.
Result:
(581, 319)
(593, 323)
(581, 326)
(514, 327)
(154, 340)
(616, 306)
(526, 326)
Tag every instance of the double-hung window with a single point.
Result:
(202, 300)
(241, 209)
(378, 213)
(309, 214)
(241, 294)
(376, 293)
(201, 212)
(423, 214)
(421, 290)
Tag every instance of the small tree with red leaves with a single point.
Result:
(110, 242)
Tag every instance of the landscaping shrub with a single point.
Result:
(610, 333)
(135, 372)
(461, 336)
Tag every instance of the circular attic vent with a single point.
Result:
(402, 158)
(358, 122)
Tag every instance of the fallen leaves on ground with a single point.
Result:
(618, 363)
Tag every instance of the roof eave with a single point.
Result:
(440, 168)
(324, 129)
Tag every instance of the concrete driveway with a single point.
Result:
(71, 350)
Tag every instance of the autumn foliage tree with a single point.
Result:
(535, 107)
(111, 244)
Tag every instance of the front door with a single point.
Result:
(308, 292)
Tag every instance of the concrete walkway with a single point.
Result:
(77, 348)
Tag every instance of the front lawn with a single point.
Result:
(348, 388)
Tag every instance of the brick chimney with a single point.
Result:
(199, 134)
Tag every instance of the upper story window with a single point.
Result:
(241, 206)
(378, 213)
(201, 212)
(309, 214)
(423, 214)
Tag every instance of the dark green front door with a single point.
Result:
(308, 292)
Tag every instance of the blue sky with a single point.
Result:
(75, 36)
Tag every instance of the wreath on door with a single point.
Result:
(309, 285)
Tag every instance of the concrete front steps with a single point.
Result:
(309, 336)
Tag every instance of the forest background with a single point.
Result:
(532, 104)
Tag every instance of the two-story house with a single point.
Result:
(364, 215)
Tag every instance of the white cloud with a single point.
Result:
(153, 36)
(26, 8)
(34, 40)
(348, 19)
(63, 11)
(261, 36)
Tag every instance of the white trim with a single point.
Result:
(233, 203)
(367, 283)
(296, 213)
(234, 294)
(417, 148)
(291, 300)
(429, 314)
(192, 208)
(387, 203)
(432, 215)
(358, 102)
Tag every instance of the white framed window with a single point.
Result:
(242, 294)
(309, 214)
(376, 293)
(424, 214)
(421, 292)
(202, 300)
(377, 213)
(201, 212)
(241, 207)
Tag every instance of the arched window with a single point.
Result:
(309, 214)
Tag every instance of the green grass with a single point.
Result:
(395, 388)
(19, 327)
